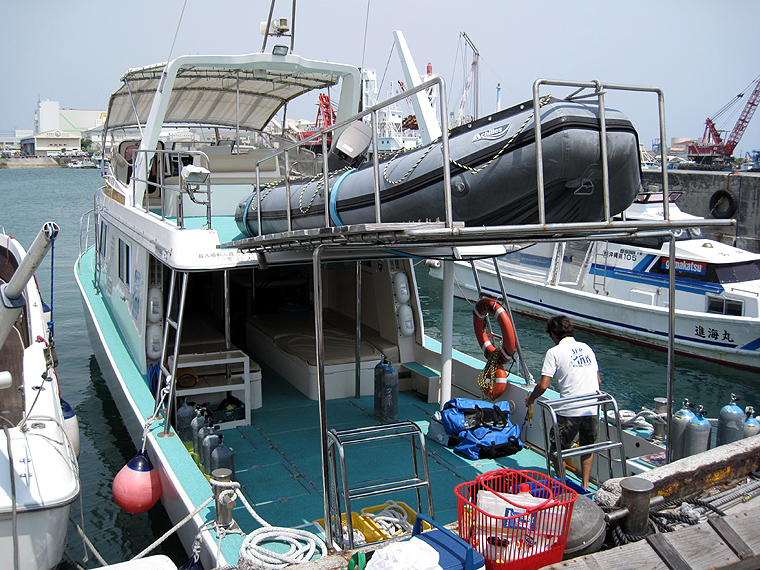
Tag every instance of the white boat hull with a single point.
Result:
(697, 334)
(41, 537)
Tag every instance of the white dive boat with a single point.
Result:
(261, 331)
(619, 287)
(39, 476)
(86, 163)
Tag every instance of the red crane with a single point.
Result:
(325, 118)
(712, 147)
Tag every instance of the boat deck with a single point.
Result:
(278, 462)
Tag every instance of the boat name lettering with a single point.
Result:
(711, 333)
(492, 134)
(686, 266)
(216, 254)
(627, 254)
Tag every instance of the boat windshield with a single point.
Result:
(738, 272)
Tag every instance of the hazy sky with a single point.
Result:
(700, 53)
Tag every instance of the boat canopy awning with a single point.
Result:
(235, 91)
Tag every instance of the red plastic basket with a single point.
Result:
(527, 536)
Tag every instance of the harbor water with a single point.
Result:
(635, 375)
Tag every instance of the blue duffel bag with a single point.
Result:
(483, 429)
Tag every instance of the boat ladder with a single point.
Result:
(339, 440)
(601, 400)
(600, 261)
(165, 373)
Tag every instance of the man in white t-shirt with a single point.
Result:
(573, 365)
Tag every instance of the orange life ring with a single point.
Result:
(499, 383)
(487, 306)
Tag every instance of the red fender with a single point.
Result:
(487, 306)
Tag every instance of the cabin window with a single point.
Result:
(722, 306)
(103, 238)
(124, 262)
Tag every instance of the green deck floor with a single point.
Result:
(278, 458)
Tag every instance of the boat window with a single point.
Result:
(653, 242)
(737, 272)
(722, 306)
(685, 268)
(124, 262)
(103, 238)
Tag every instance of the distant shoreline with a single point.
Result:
(34, 162)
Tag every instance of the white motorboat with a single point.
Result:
(276, 333)
(619, 287)
(39, 476)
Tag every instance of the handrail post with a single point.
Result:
(539, 152)
(445, 152)
(376, 166)
(258, 199)
(603, 148)
(287, 193)
(326, 174)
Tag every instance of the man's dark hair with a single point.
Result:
(560, 327)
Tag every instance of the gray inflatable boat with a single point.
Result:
(493, 176)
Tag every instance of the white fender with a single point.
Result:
(153, 340)
(155, 305)
(401, 288)
(405, 320)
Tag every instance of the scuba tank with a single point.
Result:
(681, 419)
(751, 425)
(380, 367)
(185, 416)
(203, 433)
(209, 444)
(386, 391)
(196, 424)
(730, 423)
(697, 438)
(223, 457)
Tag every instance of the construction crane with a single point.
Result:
(712, 147)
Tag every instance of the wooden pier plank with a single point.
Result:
(701, 547)
(730, 537)
(745, 524)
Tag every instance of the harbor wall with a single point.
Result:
(35, 162)
(697, 187)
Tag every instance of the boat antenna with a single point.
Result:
(176, 32)
(364, 45)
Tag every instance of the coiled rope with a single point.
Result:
(302, 545)
(393, 520)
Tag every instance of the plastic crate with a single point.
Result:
(411, 515)
(363, 524)
(528, 536)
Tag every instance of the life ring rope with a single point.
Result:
(493, 378)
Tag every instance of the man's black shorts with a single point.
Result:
(583, 426)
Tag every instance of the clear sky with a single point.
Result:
(700, 53)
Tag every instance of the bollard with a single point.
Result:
(224, 498)
(635, 497)
(660, 407)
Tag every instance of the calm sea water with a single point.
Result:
(30, 197)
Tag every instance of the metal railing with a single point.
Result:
(372, 112)
(600, 90)
(176, 159)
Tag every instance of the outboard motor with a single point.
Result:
(349, 148)
(751, 425)
(698, 432)
(730, 422)
(681, 419)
